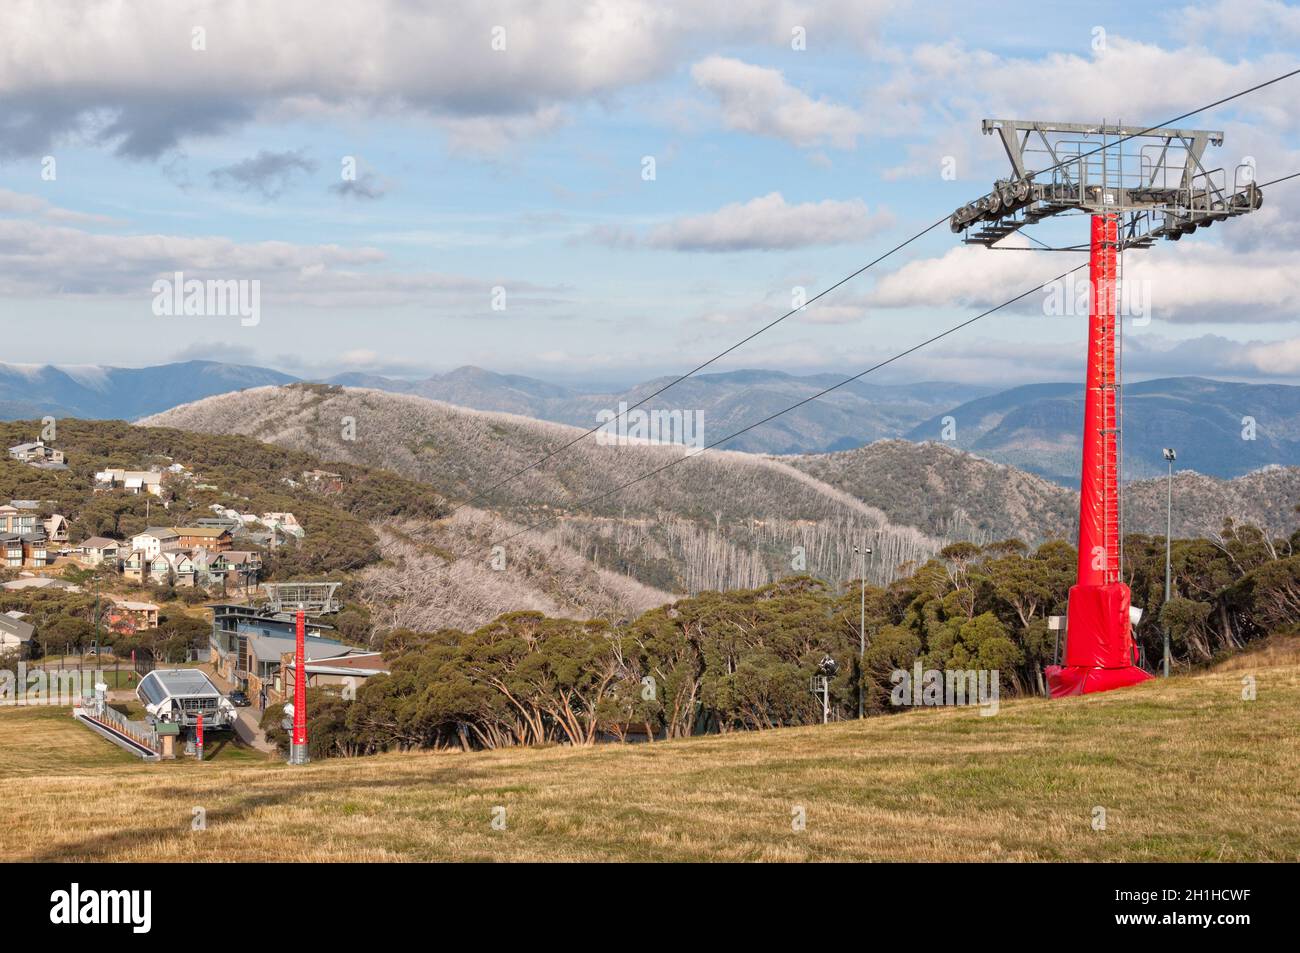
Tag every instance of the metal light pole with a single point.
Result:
(863, 553)
(98, 616)
(1170, 457)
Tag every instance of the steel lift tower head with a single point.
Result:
(1138, 185)
(303, 599)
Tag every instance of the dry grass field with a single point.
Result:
(1185, 769)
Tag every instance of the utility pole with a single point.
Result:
(1170, 457)
(97, 615)
(863, 553)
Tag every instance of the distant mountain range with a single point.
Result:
(120, 393)
(1217, 428)
(1034, 427)
(855, 414)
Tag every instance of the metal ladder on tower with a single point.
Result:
(1109, 463)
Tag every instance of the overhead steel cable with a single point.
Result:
(843, 281)
(1161, 125)
(1283, 178)
(795, 406)
(717, 357)
(834, 387)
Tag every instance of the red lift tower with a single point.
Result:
(1137, 185)
(298, 753)
(302, 599)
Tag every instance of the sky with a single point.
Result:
(614, 190)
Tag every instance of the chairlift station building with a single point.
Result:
(178, 696)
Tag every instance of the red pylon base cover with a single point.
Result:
(1099, 648)
(1080, 680)
(1098, 633)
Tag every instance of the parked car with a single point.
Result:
(239, 699)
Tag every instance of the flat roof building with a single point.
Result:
(16, 636)
(248, 645)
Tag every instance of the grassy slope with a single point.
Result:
(43, 743)
(1186, 769)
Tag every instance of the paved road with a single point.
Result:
(249, 733)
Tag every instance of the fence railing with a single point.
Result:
(138, 731)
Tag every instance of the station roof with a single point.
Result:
(164, 683)
(271, 647)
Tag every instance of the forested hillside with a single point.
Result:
(955, 494)
(724, 520)
(948, 493)
(445, 574)
(1266, 497)
(382, 534)
(715, 521)
(338, 517)
(232, 471)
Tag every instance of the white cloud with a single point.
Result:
(38, 260)
(764, 223)
(968, 276)
(493, 135)
(1275, 225)
(128, 75)
(19, 203)
(757, 99)
(362, 357)
(1193, 282)
(1278, 358)
(1127, 81)
(1261, 18)
(937, 94)
(1188, 282)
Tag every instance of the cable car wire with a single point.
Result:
(838, 284)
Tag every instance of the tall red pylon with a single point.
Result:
(1146, 183)
(298, 745)
(1099, 647)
